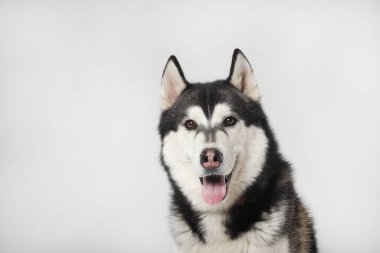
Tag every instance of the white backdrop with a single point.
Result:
(79, 85)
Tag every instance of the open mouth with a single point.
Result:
(214, 188)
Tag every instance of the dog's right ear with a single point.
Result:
(172, 84)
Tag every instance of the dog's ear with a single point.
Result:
(242, 77)
(172, 84)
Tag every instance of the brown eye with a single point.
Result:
(190, 124)
(229, 121)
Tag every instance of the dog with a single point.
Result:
(232, 191)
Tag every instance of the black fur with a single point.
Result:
(273, 185)
(261, 196)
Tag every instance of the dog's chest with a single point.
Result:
(260, 239)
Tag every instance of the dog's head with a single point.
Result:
(213, 138)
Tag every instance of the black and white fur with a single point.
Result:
(261, 211)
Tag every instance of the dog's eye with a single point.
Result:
(190, 124)
(229, 121)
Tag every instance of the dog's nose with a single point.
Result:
(211, 158)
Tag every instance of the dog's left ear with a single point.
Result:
(172, 84)
(242, 77)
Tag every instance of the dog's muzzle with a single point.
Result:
(214, 185)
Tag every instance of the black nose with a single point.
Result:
(211, 158)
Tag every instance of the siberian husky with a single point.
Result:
(232, 191)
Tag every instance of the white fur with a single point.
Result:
(262, 238)
(221, 111)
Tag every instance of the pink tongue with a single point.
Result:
(213, 192)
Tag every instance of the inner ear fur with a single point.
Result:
(172, 84)
(242, 77)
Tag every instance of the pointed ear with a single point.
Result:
(172, 84)
(242, 77)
